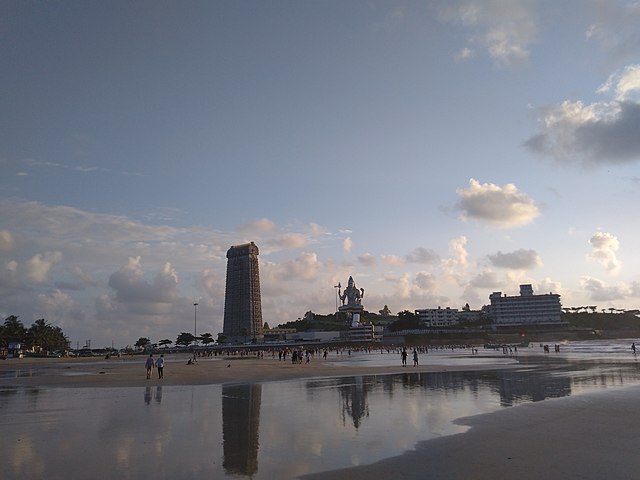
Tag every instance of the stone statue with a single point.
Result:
(351, 294)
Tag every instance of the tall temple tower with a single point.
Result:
(242, 304)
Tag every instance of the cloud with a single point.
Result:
(486, 280)
(37, 267)
(393, 260)
(290, 240)
(502, 207)
(504, 29)
(426, 281)
(605, 251)
(455, 266)
(423, 256)
(518, 260)
(616, 28)
(6, 240)
(598, 133)
(305, 267)
(367, 259)
(347, 244)
(264, 225)
(600, 291)
(131, 286)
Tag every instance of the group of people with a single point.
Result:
(404, 354)
(159, 364)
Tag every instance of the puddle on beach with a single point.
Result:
(270, 430)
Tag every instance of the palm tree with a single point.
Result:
(165, 342)
(14, 329)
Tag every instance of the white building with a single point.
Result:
(525, 309)
(438, 317)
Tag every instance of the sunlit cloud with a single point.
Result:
(347, 244)
(502, 207)
(599, 291)
(599, 133)
(6, 240)
(605, 251)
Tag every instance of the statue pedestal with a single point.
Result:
(352, 312)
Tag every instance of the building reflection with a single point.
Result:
(353, 393)
(240, 428)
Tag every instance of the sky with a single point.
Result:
(436, 151)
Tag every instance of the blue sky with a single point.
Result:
(436, 151)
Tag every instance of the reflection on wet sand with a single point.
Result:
(270, 430)
(240, 428)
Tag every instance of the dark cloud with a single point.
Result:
(423, 256)
(518, 260)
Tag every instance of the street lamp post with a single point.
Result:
(195, 325)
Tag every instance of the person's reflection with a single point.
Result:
(158, 396)
(240, 428)
(147, 395)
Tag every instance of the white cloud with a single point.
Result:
(455, 266)
(520, 259)
(264, 225)
(605, 251)
(290, 240)
(502, 207)
(504, 29)
(6, 240)
(599, 291)
(347, 244)
(37, 267)
(595, 133)
(393, 260)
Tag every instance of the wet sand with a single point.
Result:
(587, 436)
(130, 371)
(591, 437)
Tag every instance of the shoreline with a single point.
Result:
(588, 436)
(130, 371)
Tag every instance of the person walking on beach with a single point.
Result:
(415, 357)
(160, 366)
(404, 356)
(149, 365)
(633, 347)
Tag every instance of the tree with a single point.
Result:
(406, 321)
(164, 342)
(184, 339)
(142, 342)
(206, 338)
(14, 330)
(46, 337)
(222, 338)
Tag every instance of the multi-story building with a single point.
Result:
(242, 303)
(438, 317)
(526, 309)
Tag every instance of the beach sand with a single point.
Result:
(592, 437)
(129, 371)
(587, 436)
